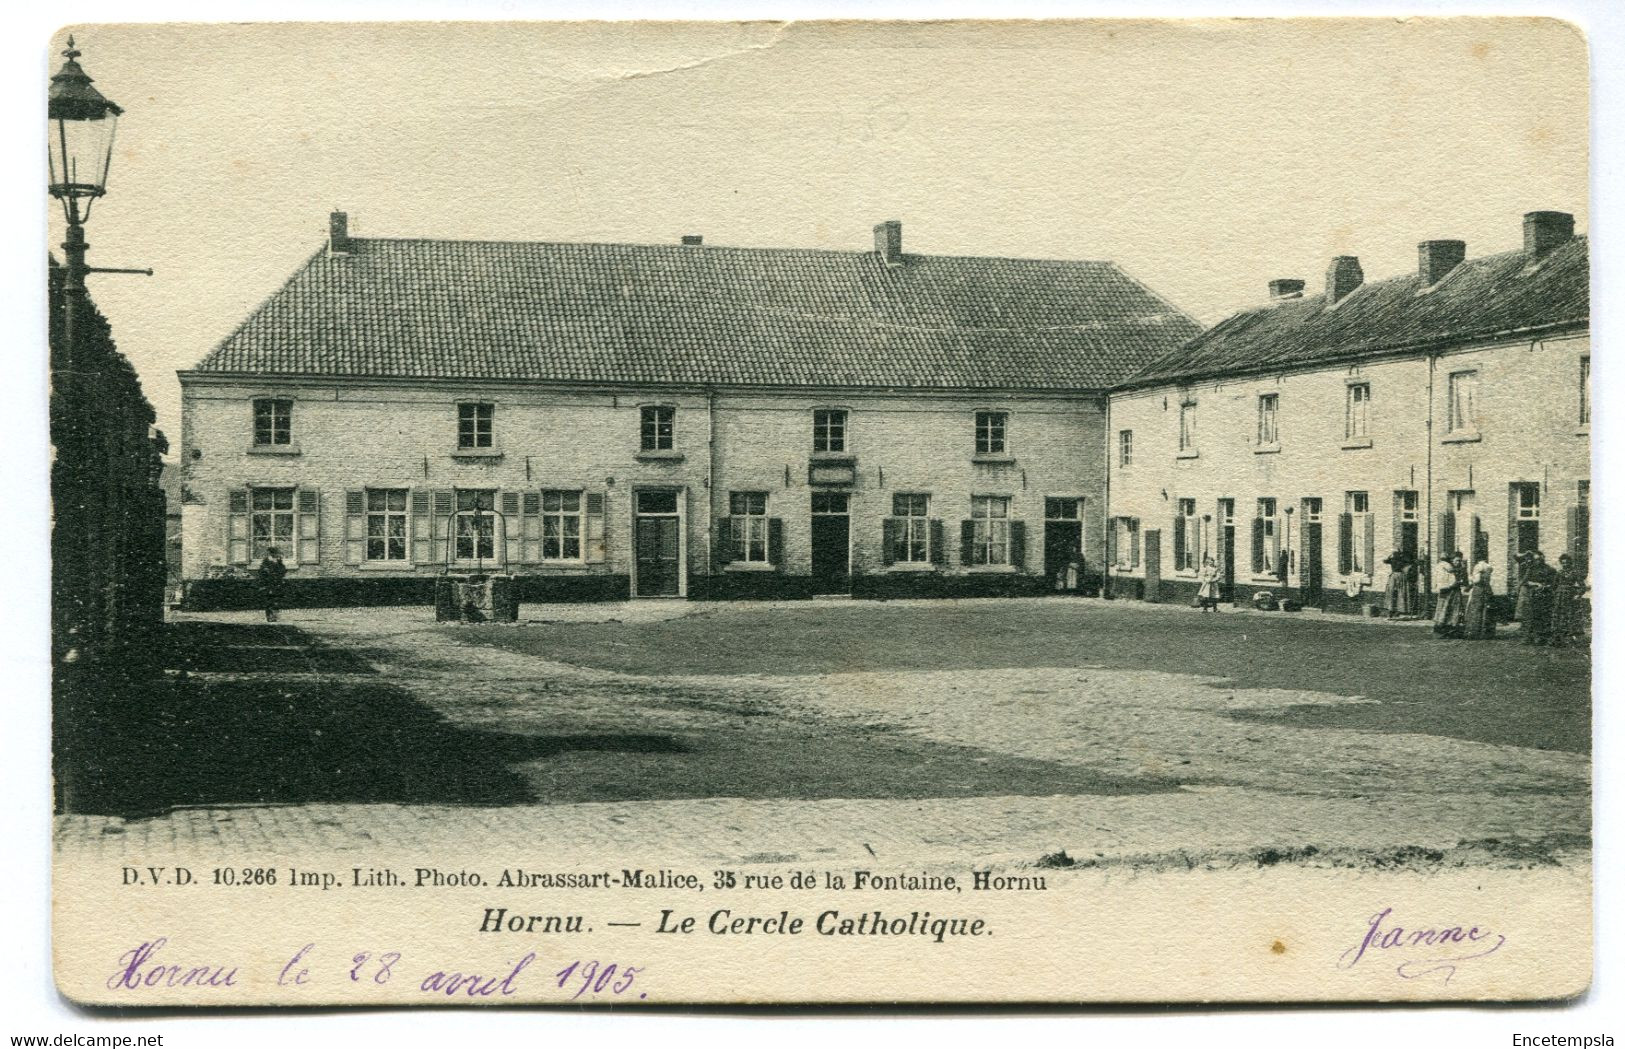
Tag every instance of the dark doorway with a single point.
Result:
(1312, 581)
(659, 544)
(1227, 550)
(1063, 545)
(831, 543)
(1153, 565)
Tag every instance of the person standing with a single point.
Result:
(1399, 591)
(1207, 594)
(1447, 594)
(1463, 582)
(271, 572)
(1568, 614)
(1480, 622)
(1538, 579)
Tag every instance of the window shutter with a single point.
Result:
(355, 526)
(597, 527)
(1018, 544)
(888, 540)
(530, 526)
(508, 529)
(1370, 543)
(1179, 543)
(1399, 529)
(1478, 545)
(1134, 542)
(1443, 526)
(1258, 546)
(1579, 526)
(1303, 549)
(939, 546)
(422, 545)
(237, 527)
(1111, 540)
(1345, 543)
(510, 504)
(1512, 532)
(775, 540)
(967, 543)
(310, 526)
(723, 540)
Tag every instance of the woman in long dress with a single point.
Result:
(1568, 614)
(1447, 607)
(1207, 595)
(1480, 625)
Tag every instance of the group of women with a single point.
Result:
(1550, 608)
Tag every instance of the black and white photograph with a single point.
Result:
(651, 514)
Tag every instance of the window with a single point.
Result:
(1268, 434)
(911, 528)
(1355, 550)
(1187, 426)
(1356, 411)
(990, 530)
(1125, 447)
(749, 525)
(829, 430)
(1528, 502)
(658, 422)
(1585, 391)
(1463, 402)
(990, 427)
(474, 425)
(1063, 509)
(475, 532)
(386, 524)
(271, 521)
(1187, 537)
(561, 526)
(1124, 539)
(1266, 539)
(273, 421)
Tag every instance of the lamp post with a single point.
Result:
(80, 124)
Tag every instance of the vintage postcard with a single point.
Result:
(629, 514)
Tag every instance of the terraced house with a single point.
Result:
(605, 420)
(1301, 442)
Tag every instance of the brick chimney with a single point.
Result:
(692, 240)
(1342, 277)
(889, 242)
(338, 233)
(1286, 288)
(1545, 230)
(1436, 258)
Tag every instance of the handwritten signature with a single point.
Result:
(1423, 951)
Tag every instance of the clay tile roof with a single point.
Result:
(1481, 298)
(700, 315)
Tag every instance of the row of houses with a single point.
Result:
(685, 420)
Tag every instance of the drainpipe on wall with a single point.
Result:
(1106, 508)
(1433, 555)
(710, 481)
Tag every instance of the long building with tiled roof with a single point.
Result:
(599, 420)
(1307, 446)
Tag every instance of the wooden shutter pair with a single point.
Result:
(307, 511)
